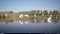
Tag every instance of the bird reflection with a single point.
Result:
(42, 21)
(21, 22)
(34, 20)
(26, 22)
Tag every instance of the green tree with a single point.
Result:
(55, 12)
(11, 12)
(45, 12)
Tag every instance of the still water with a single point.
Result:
(29, 26)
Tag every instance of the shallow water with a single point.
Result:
(29, 26)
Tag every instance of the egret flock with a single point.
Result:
(26, 15)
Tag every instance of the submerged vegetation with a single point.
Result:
(33, 14)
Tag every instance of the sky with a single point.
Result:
(26, 5)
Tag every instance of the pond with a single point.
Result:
(29, 26)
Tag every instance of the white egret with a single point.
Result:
(26, 15)
(49, 19)
(21, 16)
(34, 15)
(6, 14)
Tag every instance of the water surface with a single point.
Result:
(29, 26)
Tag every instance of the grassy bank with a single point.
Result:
(39, 15)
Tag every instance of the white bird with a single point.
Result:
(34, 15)
(6, 14)
(26, 15)
(49, 19)
(21, 16)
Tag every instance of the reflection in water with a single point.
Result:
(55, 20)
(31, 25)
(7, 22)
(27, 21)
(38, 21)
(34, 21)
(23, 21)
(44, 21)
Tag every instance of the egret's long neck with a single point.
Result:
(50, 16)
